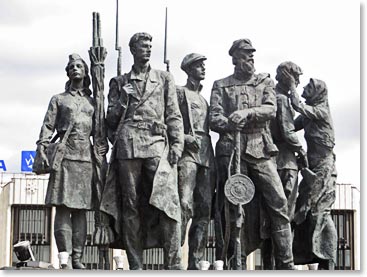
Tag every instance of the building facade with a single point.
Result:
(24, 216)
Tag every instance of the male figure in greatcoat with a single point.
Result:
(246, 102)
(145, 126)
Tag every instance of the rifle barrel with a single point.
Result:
(99, 32)
(165, 60)
(94, 43)
(238, 144)
(117, 26)
(117, 46)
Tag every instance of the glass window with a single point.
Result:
(32, 223)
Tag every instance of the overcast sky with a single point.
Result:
(323, 37)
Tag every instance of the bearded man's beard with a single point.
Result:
(245, 68)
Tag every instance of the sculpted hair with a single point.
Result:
(86, 81)
(137, 37)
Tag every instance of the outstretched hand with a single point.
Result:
(295, 100)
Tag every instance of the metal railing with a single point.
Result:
(344, 224)
(153, 259)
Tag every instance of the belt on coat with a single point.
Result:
(155, 127)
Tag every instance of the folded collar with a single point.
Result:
(74, 91)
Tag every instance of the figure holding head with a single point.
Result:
(145, 126)
(246, 102)
(70, 186)
(315, 237)
(284, 134)
(286, 139)
(196, 168)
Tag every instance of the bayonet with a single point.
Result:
(165, 60)
(117, 45)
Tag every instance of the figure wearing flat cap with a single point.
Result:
(145, 126)
(196, 169)
(286, 139)
(315, 237)
(246, 102)
(71, 114)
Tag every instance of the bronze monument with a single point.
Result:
(196, 168)
(146, 129)
(255, 96)
(315, 238)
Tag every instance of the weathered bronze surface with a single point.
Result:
(315, 237)
(285, 137)
(70, 185)
(146, 129)
(163, 172)
(246, 102)
(196, 168)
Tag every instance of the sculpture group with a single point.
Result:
(163, 171)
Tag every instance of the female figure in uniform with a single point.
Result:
(70, 187)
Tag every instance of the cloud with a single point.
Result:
(14, 13)
(347, 121)
(37, 36)
(19, 12)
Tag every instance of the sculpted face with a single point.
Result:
(76, 70)
(308, 91)
(296, 78)
(244, 61)
(142, 50)
(197, 70)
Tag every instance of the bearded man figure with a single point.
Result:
(246, 102)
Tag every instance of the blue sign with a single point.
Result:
(2, 165)
(27, 160)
